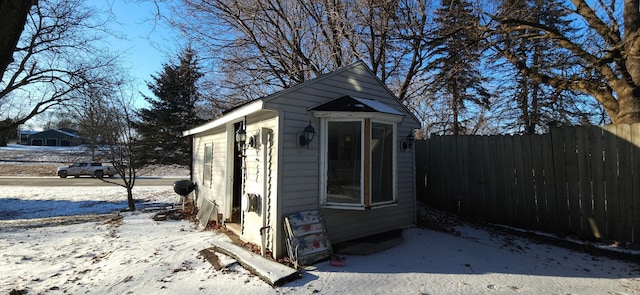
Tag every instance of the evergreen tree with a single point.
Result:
(456, 53)
(172, 111)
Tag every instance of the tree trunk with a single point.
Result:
(13, 15)
(628, 105)
(130, 201)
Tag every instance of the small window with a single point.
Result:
(208, 164)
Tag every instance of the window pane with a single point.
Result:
(208, 160)
(344, 162)
(381, 162)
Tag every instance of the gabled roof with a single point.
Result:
(61, 131)
(258, 104)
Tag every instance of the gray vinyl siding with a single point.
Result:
(295, 176)
(300, 167)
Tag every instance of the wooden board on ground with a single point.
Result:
(269, 271)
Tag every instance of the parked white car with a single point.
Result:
(92, 169)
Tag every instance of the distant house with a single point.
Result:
(55, 137)
(340, 143)
(23, 136)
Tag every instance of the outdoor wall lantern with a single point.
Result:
(253, 142)
(241, 138)
(407, 143)
(307, 136)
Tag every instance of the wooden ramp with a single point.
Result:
(270, 271)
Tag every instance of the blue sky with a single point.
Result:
(147, 43)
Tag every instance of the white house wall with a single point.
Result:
(260, 165)
(215, 190)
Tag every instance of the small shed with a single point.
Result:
(340, 143)
(56, 137)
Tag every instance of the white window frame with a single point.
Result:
(205, 181)
(382, 118)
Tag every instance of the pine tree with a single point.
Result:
(172, 111)
(455, 53)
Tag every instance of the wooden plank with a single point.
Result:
(458, 185)
(550, 197)
(585, 181)
(562, 216)
(443, 172)
(489, 143)
(625, 179)
(537, 177)
(478, 173)
(597, 222)
(520, 206)
(462, 185)
(635, 219)
(528, 182)
(422, 155)
(609, 141)
(510, 185)
(269, 271)
(450, 200)
(481, 174)
(502, 186)
(573, 181)
(468, 193)
(434, 174)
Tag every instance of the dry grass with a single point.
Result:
(49, 169)
(28, 169)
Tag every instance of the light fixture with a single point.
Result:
(253, 141)
(407, 143)
(241, 138)
(307, 136)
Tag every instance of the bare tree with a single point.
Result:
(274, 44)
(112, 115)
(104, 111)
(602, 59)
(56, 54)
(13, 15)
(120, 139)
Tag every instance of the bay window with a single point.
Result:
(358, 162)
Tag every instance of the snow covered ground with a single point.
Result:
(129, 253)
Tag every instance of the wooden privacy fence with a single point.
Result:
(573, 181)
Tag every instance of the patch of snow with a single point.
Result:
(140, 255)
(133, 254)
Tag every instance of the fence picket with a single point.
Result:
(611, 178)
(585, 205)
(539, 188)
(635, 205)
(573, 180)
(598, 221)
(625, 178)
(492, 178)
